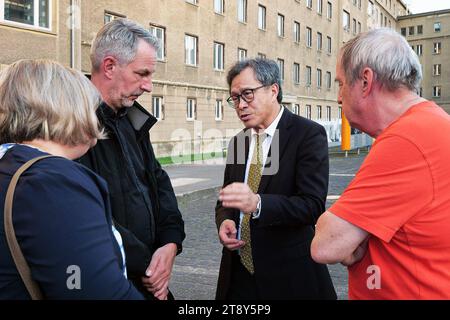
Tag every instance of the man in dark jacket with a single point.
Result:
(144, 206)
(275, 187)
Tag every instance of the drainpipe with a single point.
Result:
(72, 34)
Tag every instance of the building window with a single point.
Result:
(359, 27)
(328, 80)
(191, 109)
(160, 34)
(319, 78)
(437, 48)
(420, 29)
(329, 45)
(296, 73)
(219, 56)
(346, 21)
(419, 50)
(403, 31)
(359, 4)
(261, 55)
(309, 4)
(437, 70)
(308, 111)
(280, 25)
(354, 26)
(319, 41)
(190, 48)
(261, 17)
(308, 76)
(109, 16)
(296, 32)
(242, 54)
(319, 112)
(329, 10)
(34, 13)
(219, 6)
(308, 37)
(158, 108)
(437, 91)
(411, 31)
(281, 67)
(219, 110)
(328, 113)
(296, 109)
(370, 8)
(421, 92)
(340, 112)
(319, 7)
(437, 27)
(242, 11)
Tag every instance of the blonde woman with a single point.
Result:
(61, 213)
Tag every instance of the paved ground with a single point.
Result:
(196, 269)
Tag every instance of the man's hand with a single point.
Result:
(227, 235)
(159, 271)
(239, 196)
(357, 255)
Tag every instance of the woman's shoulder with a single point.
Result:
(57, 172)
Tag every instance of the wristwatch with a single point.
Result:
(257, 212)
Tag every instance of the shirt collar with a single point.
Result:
(4, 148)
(270, 130)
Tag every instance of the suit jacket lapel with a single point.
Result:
(281, 137)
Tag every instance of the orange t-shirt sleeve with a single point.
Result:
(393, 185)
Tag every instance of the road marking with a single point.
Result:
(179, 182)
(333, 197)
(342, 175)
(194, 270)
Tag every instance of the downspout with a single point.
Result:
(72, 34)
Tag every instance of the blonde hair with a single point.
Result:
(42, 99)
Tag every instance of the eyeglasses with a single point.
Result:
(247, 95)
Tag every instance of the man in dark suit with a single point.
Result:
(266, 213)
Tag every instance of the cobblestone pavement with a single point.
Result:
(196, 269)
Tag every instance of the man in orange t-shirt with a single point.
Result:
(391, 225)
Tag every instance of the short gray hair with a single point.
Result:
(42, 99)
(388, 54)
(266, 72)
(120, 38)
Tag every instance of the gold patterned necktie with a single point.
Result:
(253, 180)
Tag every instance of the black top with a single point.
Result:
(60, 223)
(144, 206)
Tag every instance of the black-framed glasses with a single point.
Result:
(247, 95)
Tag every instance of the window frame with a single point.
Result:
(297, 32)
(218, 56)
(296, 73)
(36, 17)
(162, 47)
(240, 57)
(309, 37)
(218, 107)
(221, 8)
(159, 115)
(280, 25)
(195, 50)
(244, 11)
(191, 109)
(280, 63)
(262, 17)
